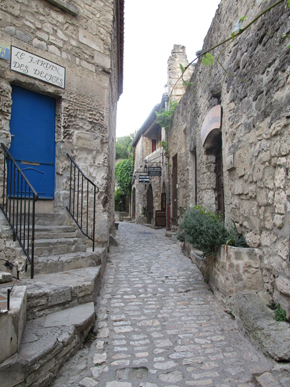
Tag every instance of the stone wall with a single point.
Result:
(254, 131)
(233, 269)
(85, 43)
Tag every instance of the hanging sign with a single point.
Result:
(154, 171)
(143, 179)
(36, 67)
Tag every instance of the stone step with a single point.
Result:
(51, 232)
(53, 219)
(71, 261)
(47, 343)
(49, 293)
(55, 246)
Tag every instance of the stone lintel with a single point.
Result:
(68, 7)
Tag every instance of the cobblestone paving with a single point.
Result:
(160, 325)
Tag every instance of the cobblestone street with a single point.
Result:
(160, 325)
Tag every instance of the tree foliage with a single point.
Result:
(123, 146)
(124, 173)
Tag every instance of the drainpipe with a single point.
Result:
(167, 175)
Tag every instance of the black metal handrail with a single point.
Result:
(82, 196)
(18, 206)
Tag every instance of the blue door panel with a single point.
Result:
(33, 138)
(38, 177)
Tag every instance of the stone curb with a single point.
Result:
(271, 336)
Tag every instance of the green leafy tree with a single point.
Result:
(123, 175)
(123, 146)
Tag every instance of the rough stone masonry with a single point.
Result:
(241, 168)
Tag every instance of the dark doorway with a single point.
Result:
(163, 202)
(219, 181)
(153, 146)
(149, 204)
(160, 215)
(134, 204)
(174, 190)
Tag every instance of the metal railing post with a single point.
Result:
(79, 195)
(15, 208)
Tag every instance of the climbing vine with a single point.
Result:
(164, 118)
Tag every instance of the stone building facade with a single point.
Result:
(150, 149)
(230, 146)
(148, 153)
(70, 55)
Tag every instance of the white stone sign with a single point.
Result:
(36, 67)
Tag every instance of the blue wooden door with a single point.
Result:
(32, 129)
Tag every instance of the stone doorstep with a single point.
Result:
(267, 380)
(70, 261)
(49, 293)
(253, 315)
(47, 343)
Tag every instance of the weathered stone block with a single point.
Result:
(257, 319)
(87, 140)
(102, 60)
(5, 277)
(12, 323)
(283, 285)
(242, 162)
(90, 40)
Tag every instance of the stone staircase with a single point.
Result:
(57, 305)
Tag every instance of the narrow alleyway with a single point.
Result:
(160, 325)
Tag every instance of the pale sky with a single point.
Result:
(152, 27)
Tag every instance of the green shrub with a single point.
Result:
(205, 230)
(235, 239)
(280, 314)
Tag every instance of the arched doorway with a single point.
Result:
(220, 206)
(149, 204)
